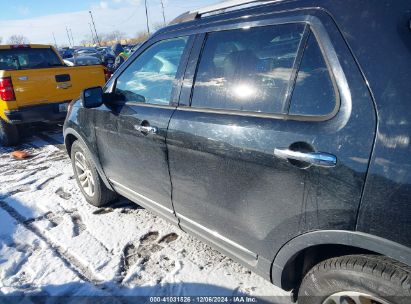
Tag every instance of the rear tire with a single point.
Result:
(9, 135)
(89, 181)
(357, 279)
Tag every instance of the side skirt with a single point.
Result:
(226, 246)
(145, 202)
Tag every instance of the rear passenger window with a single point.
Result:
(247, 69)
(314, 92)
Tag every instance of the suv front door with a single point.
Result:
(131, 128)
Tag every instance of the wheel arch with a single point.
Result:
(70, 136)
(69, 139)
(297, 256)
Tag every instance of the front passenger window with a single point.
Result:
(150, 78)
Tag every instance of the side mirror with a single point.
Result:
(92, 97)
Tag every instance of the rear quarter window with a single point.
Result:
(314, 93)
(28, 58)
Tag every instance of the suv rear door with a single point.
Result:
(131, 129)
(260, 91)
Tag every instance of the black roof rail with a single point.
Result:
(216, 8)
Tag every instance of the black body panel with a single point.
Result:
(130, 158)
(226, 178)
(216, 171)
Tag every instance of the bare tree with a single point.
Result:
(114, 36)
(87, 40)
(141, 37)
(18, 39)
(158, 25)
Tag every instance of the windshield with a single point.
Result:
(28, 58)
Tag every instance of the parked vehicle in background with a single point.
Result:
(36, 86)
(108, 60)
(103, 54)
(68, 62)
(84, 60)
(277, 131)
(87, 51)
(66, 52)
(102, 49)
(105, 50)
(127, 48)
(135, 47)
(90, 60)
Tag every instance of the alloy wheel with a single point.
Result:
(84, 174)
(353, 297)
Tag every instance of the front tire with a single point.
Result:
(357, 279)
(88, 179)
(9, 135)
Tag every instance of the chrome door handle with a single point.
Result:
(146, 129)
(64, 86)
(320, 159)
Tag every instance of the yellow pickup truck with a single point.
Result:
(36, 86)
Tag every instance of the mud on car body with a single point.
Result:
(277, 132)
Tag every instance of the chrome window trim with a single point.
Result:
(149, 105)
(343, 102)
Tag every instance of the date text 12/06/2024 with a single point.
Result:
(204, 299)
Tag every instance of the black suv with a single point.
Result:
(277, 131)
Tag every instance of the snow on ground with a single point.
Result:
(53, 243)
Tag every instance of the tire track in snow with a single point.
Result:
(26, 250)
(47, 181)
(68, 260)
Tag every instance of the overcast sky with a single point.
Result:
(39, 19)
